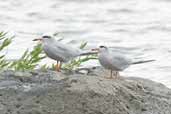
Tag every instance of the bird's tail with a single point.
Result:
(88, 53)
(146, 61)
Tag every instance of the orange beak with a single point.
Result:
(37, 39)
(95, 49)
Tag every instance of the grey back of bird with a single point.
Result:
(58, 51)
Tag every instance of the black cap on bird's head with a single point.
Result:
(46, 36)
(43, 38)
(101, 48)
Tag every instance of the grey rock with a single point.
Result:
(36, 92)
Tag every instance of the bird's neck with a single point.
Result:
(49, 42)
(104, 52)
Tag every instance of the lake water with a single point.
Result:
(141, 29)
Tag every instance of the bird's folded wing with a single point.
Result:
(66, 51)
(120, 61)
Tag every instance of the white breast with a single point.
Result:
(113, 61)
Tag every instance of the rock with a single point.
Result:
(36, 92)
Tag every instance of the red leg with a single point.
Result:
(117, 74)
(57, 66)
(60, 65)
(111, 75)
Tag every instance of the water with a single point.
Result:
(141, 29)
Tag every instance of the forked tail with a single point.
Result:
(146, 61)
(88, 53)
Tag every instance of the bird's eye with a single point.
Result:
(46, 37)
(102, 46)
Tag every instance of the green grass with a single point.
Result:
(75, 63)
(30, 60)
(4, 43)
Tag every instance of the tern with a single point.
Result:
(114, 61)
(58, 51)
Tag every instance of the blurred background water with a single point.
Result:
(140, 29)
